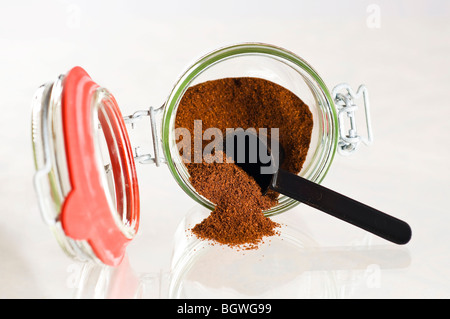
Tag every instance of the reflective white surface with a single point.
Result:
(138, 50)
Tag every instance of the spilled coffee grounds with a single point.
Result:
(238, 218)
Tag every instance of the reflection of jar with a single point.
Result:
(86, 179)
(286, 266)
(290, 265)
(282, 267)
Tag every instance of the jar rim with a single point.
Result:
(225, 53)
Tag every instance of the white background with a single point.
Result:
(138, 49)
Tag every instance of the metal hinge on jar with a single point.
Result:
(349, 139)
(139, 155)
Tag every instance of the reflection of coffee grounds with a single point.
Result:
(242, 103)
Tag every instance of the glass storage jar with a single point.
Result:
(86, 179)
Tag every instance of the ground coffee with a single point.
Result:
(238, 218)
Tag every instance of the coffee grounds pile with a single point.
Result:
(238, 219)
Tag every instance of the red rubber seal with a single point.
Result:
(87, 213)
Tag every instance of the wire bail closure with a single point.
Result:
(349, 140)
(147, 158)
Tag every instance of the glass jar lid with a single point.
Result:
(86, 177)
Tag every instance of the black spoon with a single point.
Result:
(310, 193)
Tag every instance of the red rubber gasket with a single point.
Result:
(86, 213)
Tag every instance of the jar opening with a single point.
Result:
(273, 64)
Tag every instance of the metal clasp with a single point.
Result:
(139, 156)
(344, 97)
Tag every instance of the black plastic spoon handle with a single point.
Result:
(342, 207)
